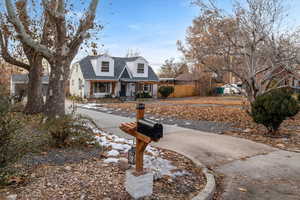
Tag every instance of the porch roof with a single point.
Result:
(138, 80)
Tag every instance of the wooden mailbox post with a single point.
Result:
(141, 140)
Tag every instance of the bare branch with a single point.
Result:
(6, 55)
(84, 26)
(26, 38)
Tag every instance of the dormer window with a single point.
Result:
(105, 66)
(140, 68)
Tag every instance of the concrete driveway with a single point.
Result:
(252, 170)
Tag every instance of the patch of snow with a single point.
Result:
(120, 147)
(113, 153)
(102, 141)
(111, 160)
(162, 167)
(154, 162)
(187, 123)
(152, 150)
(121, 140)
(159, 164)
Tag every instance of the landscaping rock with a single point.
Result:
(12, 197)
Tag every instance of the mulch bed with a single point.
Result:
(91, 178)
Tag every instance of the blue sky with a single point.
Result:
(151, 27)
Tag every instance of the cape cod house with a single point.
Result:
(103, 75)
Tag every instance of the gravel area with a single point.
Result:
(95, 179)
(60, 156)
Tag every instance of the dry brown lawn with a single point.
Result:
(226, 101)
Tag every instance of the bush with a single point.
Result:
(8, 128)
(70, 129)
(272, 108)
(165, 91)
(143, 95)
(298, 97)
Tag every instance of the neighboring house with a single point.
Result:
(103, 75)
(18, 84)
(6, 71)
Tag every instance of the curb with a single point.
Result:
(208, 192)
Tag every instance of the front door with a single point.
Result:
(123, 90)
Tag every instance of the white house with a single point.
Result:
(99, 76)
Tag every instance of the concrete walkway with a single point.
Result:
(252, 170)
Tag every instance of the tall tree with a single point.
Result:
(63, 43)
(172, 69)
(250, 43)
(33, 63)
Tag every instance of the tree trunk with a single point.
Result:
(55, 103)
(35, 102)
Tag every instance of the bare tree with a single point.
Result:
(60, 48)
(32, 63)
(251, 43)
(132, 53)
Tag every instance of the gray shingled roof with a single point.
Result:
(23, 78)
(119, 62)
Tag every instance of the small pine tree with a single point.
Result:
(272, 108)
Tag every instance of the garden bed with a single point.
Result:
(91, 173)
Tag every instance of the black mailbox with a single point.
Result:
(150, 128)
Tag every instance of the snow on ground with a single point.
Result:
(111, 160)
(94, 106)
(113, 153)
(153, 161)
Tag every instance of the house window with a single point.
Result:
(140, 68)
(146, 88)
(101, 87)
(105, 66)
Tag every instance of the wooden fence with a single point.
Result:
(183, 91)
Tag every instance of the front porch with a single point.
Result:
(132, 89)
(122, 89)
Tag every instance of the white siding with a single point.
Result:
(76, 75)
(87, 88)
(154, 90)
(133, 68)
(96, 63)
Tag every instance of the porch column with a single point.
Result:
(113, 87)
(91, 88)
